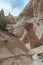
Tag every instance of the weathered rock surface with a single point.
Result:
(12, 51)
(34, 15)
(11, 19)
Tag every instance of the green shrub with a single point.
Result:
(41, 56)
(3, 22)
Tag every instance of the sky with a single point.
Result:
(13, 6)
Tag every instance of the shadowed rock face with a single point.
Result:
(31, 37)
(27, 27)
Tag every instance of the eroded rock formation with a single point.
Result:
(30, 20)
(31, 36)
(36, 17)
